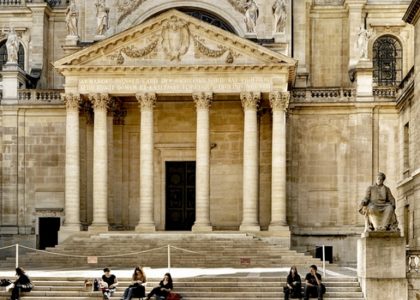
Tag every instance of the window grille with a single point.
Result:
(387, 61)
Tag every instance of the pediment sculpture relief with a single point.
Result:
(174, 40)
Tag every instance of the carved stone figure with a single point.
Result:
(378, 207)
(12, 46)
(102, 17)
(280, 15)
(72, 15)
(175, 38)
(362, 42)
(251, 15)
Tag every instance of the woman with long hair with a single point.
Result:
(164, 288)
(293, 286)
(136, 288)
(21, 284)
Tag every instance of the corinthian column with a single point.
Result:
(202, 176)
(100, 162)
(147, 102)
(72, 171)
(279, 102)
(250, 103)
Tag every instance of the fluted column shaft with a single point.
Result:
(147, 102)
(100, 162)
(72, 171)
(202, 176)
(250, 103)
(279, 102)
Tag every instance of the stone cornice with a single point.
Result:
(412, 14)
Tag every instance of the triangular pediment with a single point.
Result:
(174, 40)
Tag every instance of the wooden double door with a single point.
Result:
(180, 195)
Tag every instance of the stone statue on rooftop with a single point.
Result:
(102, 17)
(378, 207)
(280, 15)
(251, 16)
(72, 18)
(12, 46)
(362, 42)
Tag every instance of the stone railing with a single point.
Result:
(385, 92)
(40, 97)
(14, 2)
(323, 95)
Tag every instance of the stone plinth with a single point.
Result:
(13, 79)
(381, 266)
(364, 80)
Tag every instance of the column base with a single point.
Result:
(145, 228)
(97, 228)
(67, 231)
(278, 227)
(202, 228)
(249, 227)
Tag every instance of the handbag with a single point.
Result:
(173, 296)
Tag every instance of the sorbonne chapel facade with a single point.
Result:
(259, 116)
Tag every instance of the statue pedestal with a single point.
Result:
(364, 80)
(381, 265)
(99, 37)
(13, 80)
(72, 40)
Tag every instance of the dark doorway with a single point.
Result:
(180, 195)
(48, 232)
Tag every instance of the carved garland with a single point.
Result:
(200, 47)
(133, 52)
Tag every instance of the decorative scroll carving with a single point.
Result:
(99, 101)
(147, 101)
(202, 100)
(250, 100)
(175, 38)
(134, 52)
(239, 5)
(126, 7)
(203, 49)
(279, 100)
(71, 101)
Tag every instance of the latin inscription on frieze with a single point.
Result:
(175, 85)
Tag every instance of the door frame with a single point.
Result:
(168, 152)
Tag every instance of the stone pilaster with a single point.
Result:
(279, 101)
(250, 101)
(72, 171)
(147, 103)
(100, 162)
(355, 10)
(202, 177)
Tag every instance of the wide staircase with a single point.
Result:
(239, 252)
(187, 250)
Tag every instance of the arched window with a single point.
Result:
(387, 61)
(3, 55)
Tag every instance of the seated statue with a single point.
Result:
(378, 206)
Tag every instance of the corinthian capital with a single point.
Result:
(202, 100)
(72, 101)
(99, 101)
(279, 100)
(250, 100)
(147, 101)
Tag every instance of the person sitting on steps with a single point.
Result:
(110, 285)
(164, 288)
(293, 288)
(136, 288)
(21, 284)
(313, 286)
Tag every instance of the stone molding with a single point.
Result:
(250, 100)
(279, 101)
(147, 101)
(202, 100)
(100, 101)
(71, 101)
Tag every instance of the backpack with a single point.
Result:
(95, 285)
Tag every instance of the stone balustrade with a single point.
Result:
(323, 95)
(14, 2)
(384, 92)
(40, 96)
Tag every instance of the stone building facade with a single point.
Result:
(254, 116)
